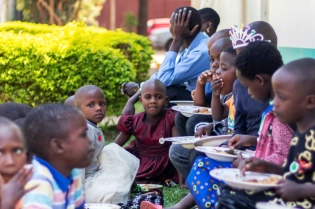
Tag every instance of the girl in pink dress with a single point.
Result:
(148, 128)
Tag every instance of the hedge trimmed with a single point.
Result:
(48, 67)
(137, 49)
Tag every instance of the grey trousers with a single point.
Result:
(180, 158)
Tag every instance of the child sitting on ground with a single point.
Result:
(13, 172)
(275, 140)
(57, 135)
(149, 127)
(104, 169)
(294, 101)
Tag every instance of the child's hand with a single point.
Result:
(289, 190)
(14, 190)
(193, 94)
(204, 130)
(241, 140)
(238, 161)
(253, 164)
(205, 77)
(217, 85)
(129, 89)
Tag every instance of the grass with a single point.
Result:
(173, 195)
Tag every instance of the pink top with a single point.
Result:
(274, 140)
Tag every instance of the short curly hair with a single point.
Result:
(259, 57)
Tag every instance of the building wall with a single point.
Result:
(293, 21)
(156, 9)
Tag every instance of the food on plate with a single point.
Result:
(225, 152)
(268, 180)
(203, 110)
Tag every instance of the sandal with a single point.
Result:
(149, 205)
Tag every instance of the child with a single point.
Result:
(111, 165)
(294, 101)
(70, 101)
(274, 137)
(14, 173)
(14, 111)
(149, 127)
(90, 100)
(57, 135)
(222, 84)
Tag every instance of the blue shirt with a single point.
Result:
(192, 62)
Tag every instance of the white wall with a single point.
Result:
(293, 20)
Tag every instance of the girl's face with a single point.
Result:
(12, 152)
(227, 72)
(153, 99)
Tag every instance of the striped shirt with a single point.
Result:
(54, 190)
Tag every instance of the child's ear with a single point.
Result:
(167, 100)
(209, 27)
(139, 98)
(56, 146)
(260, 79)
(310, 102)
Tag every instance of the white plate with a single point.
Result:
(146, 187)
(214, 153)
(188, 111)
(101, 206)
(267, 205)
(183, 103)
(185, 141)
(232, 177)
(212, 141)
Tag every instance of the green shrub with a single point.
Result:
(137, 49)
(43, 68)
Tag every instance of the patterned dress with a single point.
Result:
(155, 165)
(298, 167)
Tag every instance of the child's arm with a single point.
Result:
(199, 97)
(122, 138)
(219, 111)
(258, 165)
(292, 191)
(130, 105)
(175, 132)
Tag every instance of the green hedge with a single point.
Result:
(44, 68)
(137, 49)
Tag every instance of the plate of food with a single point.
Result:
(268, 205)
(185, 141)
(222, 154)
(188, 111)
(101, 206)
(148, 187)
(212, 141)
(251, 180)
(183, 103)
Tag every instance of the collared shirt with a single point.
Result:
(54, 191)
(192, 62)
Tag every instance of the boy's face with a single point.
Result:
(227, 72)
(153, 99)
(78, 151)
(289, 99)
(256, 88)
(12, 152)
(93, 105)
(215, 52)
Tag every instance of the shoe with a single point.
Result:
(149, 205)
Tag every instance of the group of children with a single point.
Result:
(54, 156)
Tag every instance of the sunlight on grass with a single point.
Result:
(173, 195)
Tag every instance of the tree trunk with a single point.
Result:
(143, 17)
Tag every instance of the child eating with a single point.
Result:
(14, 173)
(149, 127)
(294, 101)
(57, 135)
